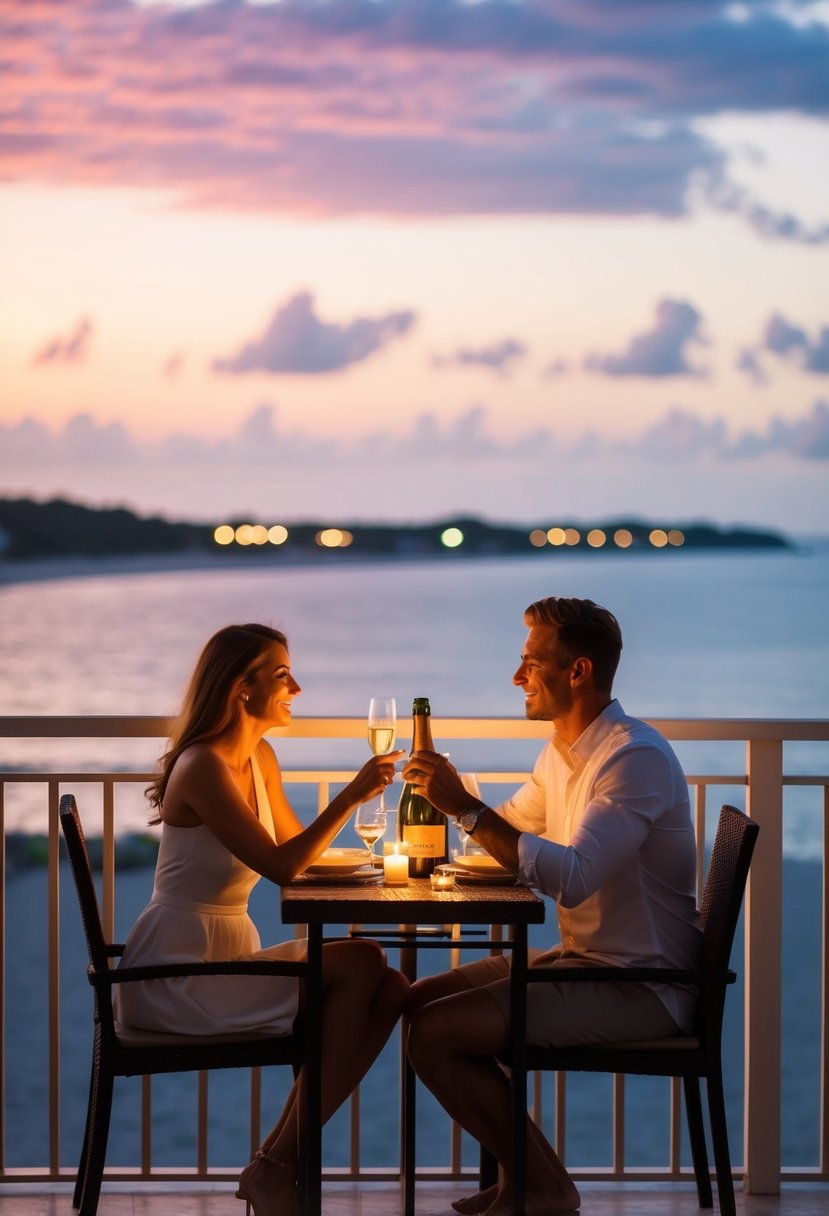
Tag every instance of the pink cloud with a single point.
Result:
(659, 351)
(404, 107)
(73, 348)
(297, 341)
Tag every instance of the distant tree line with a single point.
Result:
(60, 528)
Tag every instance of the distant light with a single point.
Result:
(658, 538)
(259, 534)
(557, 536)
(623, 538)
(572, 536)
(596, 538)
(329, 538)
(538, 537)
(278, 534)
(346, 538)
(451, 538)
(676, 537)
(244, 534)
(224, 535)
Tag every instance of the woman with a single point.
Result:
(226, 821)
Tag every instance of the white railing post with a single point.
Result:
(763, 916)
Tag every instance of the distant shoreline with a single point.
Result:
(41, 569)
(44, 569)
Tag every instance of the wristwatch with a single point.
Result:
(469, 819)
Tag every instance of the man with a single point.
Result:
(604, 828)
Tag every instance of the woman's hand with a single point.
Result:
(374, 776)
(433, 776)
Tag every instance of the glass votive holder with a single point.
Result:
(442, 878)
(395, 863)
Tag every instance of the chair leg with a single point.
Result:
(100, 1109)
(719, 1136)
(80, 1179)
(696, 1134)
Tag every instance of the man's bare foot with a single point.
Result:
(538, 1203)
(471, 1205)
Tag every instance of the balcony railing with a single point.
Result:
(761, 783)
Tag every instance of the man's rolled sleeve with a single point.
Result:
(539, 864)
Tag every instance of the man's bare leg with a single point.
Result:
(453, 1043)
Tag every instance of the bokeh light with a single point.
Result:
(451, 537)
(224, 535)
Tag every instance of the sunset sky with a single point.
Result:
(525, 259)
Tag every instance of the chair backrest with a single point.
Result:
(722, 899)
(73, 833)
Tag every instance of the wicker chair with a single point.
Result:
(120, 1051)
(689, 1056)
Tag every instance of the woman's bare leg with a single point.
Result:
(362, 999)
(453, 1042)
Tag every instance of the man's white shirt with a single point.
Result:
(606, 832)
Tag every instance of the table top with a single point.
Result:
(414, 903)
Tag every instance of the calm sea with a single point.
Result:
(731, 635)
(735, 634)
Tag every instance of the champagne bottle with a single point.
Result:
(423, 828)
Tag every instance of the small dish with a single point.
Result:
(356, 878)
(338, 861)
(481, 863)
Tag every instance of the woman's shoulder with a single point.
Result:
(198, 757)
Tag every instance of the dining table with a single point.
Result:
(412, 917)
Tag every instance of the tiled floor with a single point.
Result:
(383, 1199)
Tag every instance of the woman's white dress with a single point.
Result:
(199, 913)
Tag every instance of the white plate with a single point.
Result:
(481, 863)
(356, 878)
(492, 878)
(339, 861)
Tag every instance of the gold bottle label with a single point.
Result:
(425, 841)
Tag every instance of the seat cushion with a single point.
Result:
(132, 1036)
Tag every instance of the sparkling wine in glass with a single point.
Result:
(382, 727)
(470, 783)
(370, 824)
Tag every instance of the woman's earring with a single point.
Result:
(245, 697)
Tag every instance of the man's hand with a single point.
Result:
(433, 776)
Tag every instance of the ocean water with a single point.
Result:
(735, 634)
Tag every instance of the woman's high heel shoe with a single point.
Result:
(257, 1185)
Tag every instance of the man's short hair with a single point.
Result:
(584, 629)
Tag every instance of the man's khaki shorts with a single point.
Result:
(561, 1015)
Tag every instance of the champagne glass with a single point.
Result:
(382, 727)
(470, 783)
(370, 824)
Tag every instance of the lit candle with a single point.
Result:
(395, 866)
(443, 878)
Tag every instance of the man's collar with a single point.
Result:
(594, 734)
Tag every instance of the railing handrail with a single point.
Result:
(154, 726)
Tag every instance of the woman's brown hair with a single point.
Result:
(209, 708)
